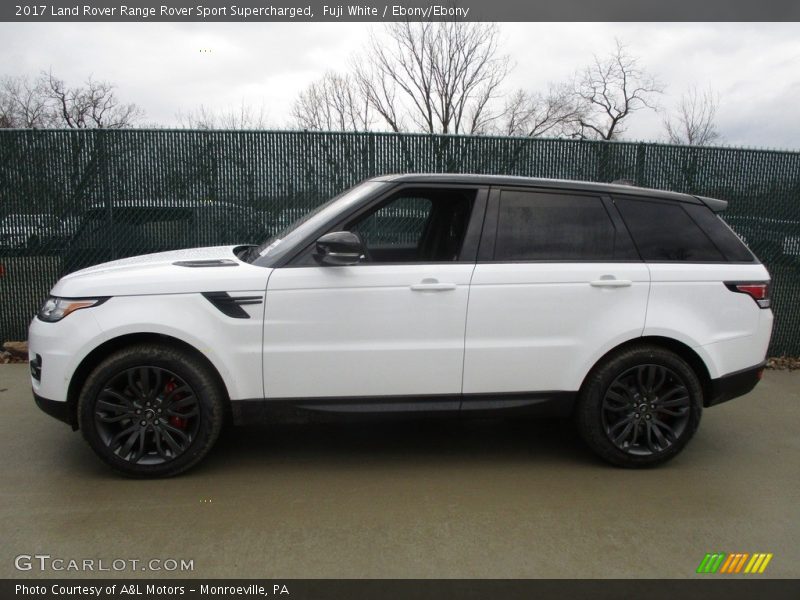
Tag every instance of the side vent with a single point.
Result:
(232, 306)
(213, 262)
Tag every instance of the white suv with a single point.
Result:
(630, 309)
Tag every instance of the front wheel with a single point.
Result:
(640, 407)
(151, 411)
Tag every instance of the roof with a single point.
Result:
(560, 184)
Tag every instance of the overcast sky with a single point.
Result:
(754, 67)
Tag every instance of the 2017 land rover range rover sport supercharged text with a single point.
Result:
(629, 309)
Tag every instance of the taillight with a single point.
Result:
(757, 290)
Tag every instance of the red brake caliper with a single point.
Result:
(175, 421)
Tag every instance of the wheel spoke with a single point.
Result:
(647, 378)
(116, 396)
(625, 391)
(110, 406)
(662, 441)
(619, 399)
(128, 445)
(681, 401)
(144, 381)
(133, 384)
(671, 413)
(669, 433)
(155, 390)
(182, 403)
(651, 444)
(193, 412)
(629, 424)
(140, 450)
(171, 442)
(178, 390)
(641, 378)
(106, 419)
(614, 428)
(659, 378)
(159, 447)
(181, 435)
(119, 439)
(636, 431)
(678, 389)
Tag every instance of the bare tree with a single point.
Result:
(244, 116)
(609, 91)
(48, 101)
(24, 103)
(94, 105)
(437, 77)
(694, 121)
(334, 103)
(534, 114)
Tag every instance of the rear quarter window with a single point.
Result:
(721, 235)
(664, 232)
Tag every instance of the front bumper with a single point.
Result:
(733, 385)
(62, 411)
(56, 349)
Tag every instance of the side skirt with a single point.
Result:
(302, 410)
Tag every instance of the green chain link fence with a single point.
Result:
(69, 199)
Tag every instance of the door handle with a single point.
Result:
(432, 285)
(611, 282)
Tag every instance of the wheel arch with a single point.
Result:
(687, 353)
(96, 356)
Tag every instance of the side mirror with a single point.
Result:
(339, 248)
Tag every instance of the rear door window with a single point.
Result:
(545, 226)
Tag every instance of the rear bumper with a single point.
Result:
(59, 410)
(733, 385)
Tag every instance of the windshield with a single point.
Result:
(282, 242)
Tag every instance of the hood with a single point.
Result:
(159, 274)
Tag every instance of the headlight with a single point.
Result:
(56, 309)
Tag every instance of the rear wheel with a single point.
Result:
(640, 407)
(151, 411)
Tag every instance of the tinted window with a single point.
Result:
(663, 231)
(543, 226)
(400, 223)
(426, 225)
(715, 228)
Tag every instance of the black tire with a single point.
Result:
(640, 406)
(162, 400)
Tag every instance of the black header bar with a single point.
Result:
(383, 10)
(710, 588)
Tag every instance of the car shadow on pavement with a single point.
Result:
(437, 441)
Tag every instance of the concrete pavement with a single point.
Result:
(436, 499)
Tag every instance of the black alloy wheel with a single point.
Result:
(150, 410)
(147, 415)
(639, 406)
(646, 409)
